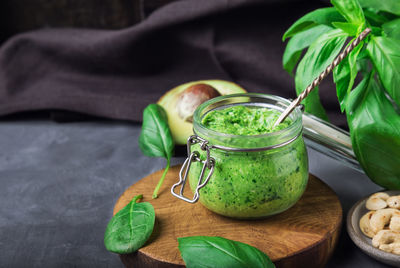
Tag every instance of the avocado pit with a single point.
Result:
(192, 97)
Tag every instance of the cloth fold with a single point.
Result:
(116, 73)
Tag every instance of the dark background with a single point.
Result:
(69, 59)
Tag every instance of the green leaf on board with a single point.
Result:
(298, 43)
(392, 29)
(319, 55)
(391, 6)
(208, 251)
(155, 138)
(385, 55)
(319, 16)
(351, 11)
(130, 228)
(375, 133)
(345, 74)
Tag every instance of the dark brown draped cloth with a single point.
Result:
(116, 73)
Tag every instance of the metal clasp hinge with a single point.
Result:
(193, 157)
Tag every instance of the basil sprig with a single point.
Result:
(209, 251)
(156, 139)
(372, 108)
(130, 228)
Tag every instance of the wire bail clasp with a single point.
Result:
(209, 163)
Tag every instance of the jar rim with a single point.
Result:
(296, 116)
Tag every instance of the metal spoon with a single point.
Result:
(324, 74)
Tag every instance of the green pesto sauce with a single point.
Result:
(244, 120)
(251, 184)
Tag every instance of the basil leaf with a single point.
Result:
(349, 28)
(391, 6)
(375, 133)
(207, 251)
(319, 55)
(385, 55)
(130, 228)
(374, 18)
(392, 29)
(363, 65)
(156, 139)
(319, 16)
(350, 10)
(345, 74)
(299, 42)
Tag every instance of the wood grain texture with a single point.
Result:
(303, 236)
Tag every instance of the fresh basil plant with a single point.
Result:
(156, 139)
(372, 107)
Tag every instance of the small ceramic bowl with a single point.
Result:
(364, 242)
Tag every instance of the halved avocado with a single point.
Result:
(180, 125)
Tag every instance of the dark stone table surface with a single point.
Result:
(59, 182)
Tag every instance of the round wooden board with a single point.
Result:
(303, 236)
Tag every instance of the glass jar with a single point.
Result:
(245, 176)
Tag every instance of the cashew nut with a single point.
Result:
(395, 224)
(385, 237)
(365, 225)
(393, 201)
(381, 218)
(391, 248)
(377, 201)
(381, 195)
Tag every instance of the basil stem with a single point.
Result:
(160, 182)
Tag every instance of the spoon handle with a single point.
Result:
(324, 74)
